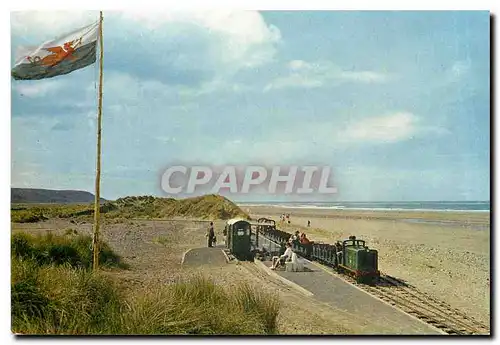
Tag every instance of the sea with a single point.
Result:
(428, 206)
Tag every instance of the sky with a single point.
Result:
(396, 103)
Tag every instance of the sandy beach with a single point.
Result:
(446, 254)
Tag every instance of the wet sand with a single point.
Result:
(446, 254)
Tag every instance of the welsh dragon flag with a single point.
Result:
(62, 55)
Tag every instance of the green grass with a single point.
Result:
(27, 216)
(204, 207)
(198, 306)
(52, 299)
(64, 300)
(71, 232)
(54, 291)
(146, 207)
(73, 250)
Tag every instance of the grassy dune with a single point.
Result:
(204, 207)
(54, 291)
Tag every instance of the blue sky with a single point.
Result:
(397, 103)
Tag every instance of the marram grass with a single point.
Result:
(53, 295)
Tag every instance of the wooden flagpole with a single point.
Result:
(97, 205)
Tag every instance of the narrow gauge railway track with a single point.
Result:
(422, 306)
(412, 301)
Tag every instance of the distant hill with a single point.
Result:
(42, 196)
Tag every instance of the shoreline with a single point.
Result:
(374, 209)
(448, 218)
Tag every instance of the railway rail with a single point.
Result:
(421, 305)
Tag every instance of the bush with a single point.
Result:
(60, 299)
(75, 251)
(71, 232)
(26, 216)
(64, 300)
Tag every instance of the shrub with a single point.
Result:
(75, 251)
(60, 299)
(26, 216)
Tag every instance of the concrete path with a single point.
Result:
(367, 309)
(204, 256)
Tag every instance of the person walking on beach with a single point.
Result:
(308, 223)
(211, 234)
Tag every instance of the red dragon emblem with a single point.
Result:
(59, 54)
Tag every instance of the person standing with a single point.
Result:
(211, 234)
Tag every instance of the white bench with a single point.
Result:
(295, 265)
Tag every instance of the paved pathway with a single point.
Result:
(331, 290)
(346, 297)
(204, 256)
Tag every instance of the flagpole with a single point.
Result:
(97, 205)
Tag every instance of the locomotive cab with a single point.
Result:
(358, 260)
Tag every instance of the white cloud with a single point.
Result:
(239, 38)
(388, 128)
(49, 24)
(317, 74)
(363, 76)
(165, 139)
(211, 44)
(315, 140)
(321, 139)
(125, 90)
(244, 36)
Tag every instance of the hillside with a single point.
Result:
(42, 196)
(204, 207)
(146, 207)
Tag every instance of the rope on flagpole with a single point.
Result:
(97, 206)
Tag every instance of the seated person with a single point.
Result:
(280, 260)
(304, 239)
(294, 238)
(338, 247)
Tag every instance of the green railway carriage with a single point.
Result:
(238, 238)
(358, 260)
(351, 257)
